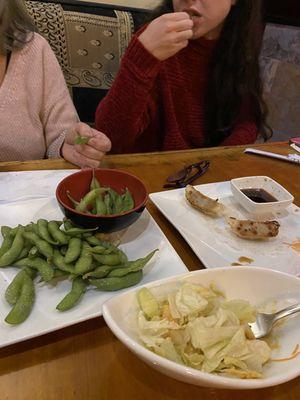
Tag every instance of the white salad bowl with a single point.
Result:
(282, 196)
(268, 290)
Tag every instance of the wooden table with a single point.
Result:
(85, 361)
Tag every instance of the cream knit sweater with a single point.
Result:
(35, 106)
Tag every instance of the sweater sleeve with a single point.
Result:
(245, 130)
(124, 112)
(58, 113)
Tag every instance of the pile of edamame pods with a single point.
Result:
(103, 200)
(59, 249)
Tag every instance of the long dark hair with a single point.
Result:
(16, 26)
(235, 73)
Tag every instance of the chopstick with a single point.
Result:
(295, 147)
(293, 158)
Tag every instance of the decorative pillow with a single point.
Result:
(89, 41)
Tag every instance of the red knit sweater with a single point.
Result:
(154, 105)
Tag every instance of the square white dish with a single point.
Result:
(267, 290)
(282, 196)
(28, 196)
(212, 240)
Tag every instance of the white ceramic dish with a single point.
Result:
(284, 198)
(28, 196)
(215, 244)
(259, 286)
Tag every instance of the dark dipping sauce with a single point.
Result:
(259, 195)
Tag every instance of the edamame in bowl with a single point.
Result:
(107, 199)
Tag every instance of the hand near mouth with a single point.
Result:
(167, 35)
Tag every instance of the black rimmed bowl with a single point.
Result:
(78, 184)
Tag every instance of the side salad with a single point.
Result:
(196, 326)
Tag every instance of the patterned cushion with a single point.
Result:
(89, 41)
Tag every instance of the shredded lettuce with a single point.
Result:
(198, 327)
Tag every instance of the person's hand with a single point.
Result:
(89, 154)
(167, 35)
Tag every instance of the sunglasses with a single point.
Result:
(187, 175)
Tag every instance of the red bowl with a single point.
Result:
(78, 184)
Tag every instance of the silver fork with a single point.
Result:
(264, 322)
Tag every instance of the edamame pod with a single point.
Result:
(94, 182)
(118, 205)
(28, 227)
(32, 227)
(132, 266)
(59, 262)
(58, 275)
(100, 206)
(13, 290)
(5, 230)
(68, 224)
(42, 225)
(85, 261)
(44, 247)
(13, 231)
(112, 284)
(79, 231)
(81, 139)
(73, 201)
(127, 201)
(92, 240)
(88, 199)
(98, 250)
(44, 269)
(74, 250)
(108, 205)
(11, 255)
(86, 234)
(99, 272)
(25, 252)
(56, 233)
(74, 296)
(95, 241)
(108, 259)
(6, 244)
(24, 304)
(113, 200)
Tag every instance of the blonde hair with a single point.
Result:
(16, 26)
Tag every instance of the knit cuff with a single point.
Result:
(141, 59)
(54, 149)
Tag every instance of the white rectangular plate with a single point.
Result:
(28, 196)
(214, 243)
